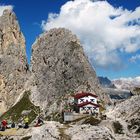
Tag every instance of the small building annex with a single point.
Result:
(86, 103)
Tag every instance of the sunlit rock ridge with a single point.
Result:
(13, 63)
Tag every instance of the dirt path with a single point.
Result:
(63, 135)
(14, 132)
(8, 132)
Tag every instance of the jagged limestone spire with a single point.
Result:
(60, 67)
(13, 63)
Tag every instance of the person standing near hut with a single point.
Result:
(20, 122)
(26, 122)
(39, 121)
(9, 122)
(4, 125)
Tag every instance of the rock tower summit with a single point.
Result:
(59, 66)
(13, 63)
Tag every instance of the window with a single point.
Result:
(92, 100)
(81, 100)
(89, 108)
(94, 108)
(83, 108)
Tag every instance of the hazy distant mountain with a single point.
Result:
(105, 82)
(112, 91)
(127, 83)
(118, 94)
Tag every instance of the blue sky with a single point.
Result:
(31, 13)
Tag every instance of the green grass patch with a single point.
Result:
(26, 138)
(101, 109)
(91, 120)
(24, 104)
(86, 120)
(137, 90)
(77, 120)
(102, 105)
(55, 116)
(63, 135)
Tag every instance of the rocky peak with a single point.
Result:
(59, 67)
(13, 63)
(105, 82)
(10, 31)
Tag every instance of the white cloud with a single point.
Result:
(105, 31)
(130, 79)
(4, 7)
(135, 58)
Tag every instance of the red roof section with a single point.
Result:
(84, 94)
(86, 103)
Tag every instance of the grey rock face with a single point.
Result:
(105, 82)
(128, 114)
(13, 63)
(60, 67)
